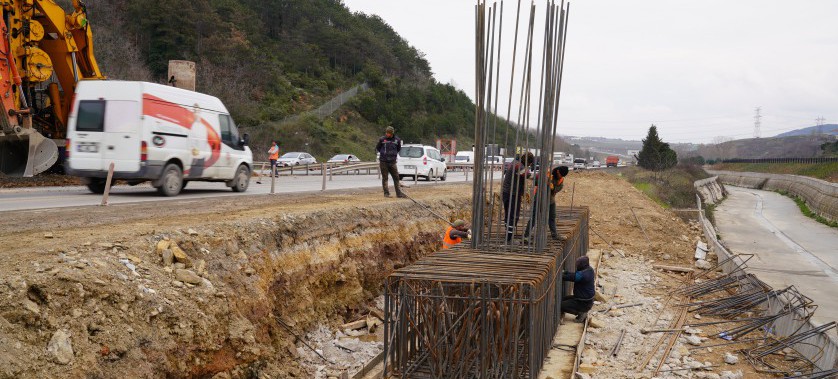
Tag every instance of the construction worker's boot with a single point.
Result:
(581, 317)
(401, 195)
(386, 193)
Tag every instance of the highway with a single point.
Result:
(73, 196)
(790, 248)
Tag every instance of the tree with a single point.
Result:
(656, 155)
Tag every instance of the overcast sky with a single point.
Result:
(697, 69)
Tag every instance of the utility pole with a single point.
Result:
(819, 122)
(757, 122)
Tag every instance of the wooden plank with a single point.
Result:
(673, 268)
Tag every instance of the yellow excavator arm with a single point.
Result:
(45, 52)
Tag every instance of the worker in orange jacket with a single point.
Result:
(273, 156)
(455, 234)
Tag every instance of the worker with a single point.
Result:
(273, 156)
(583, 289)
(556, 183)
(455, 234)
(512, 190)
(388, 148)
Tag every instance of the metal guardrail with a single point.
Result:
(824, 353)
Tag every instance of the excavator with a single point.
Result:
(44, 53)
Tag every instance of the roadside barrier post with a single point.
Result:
(415, 174)
(331, 169)
(323, 169)
(273, 178)
(107, 185)
(307, 169)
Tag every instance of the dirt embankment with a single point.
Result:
(91, 297)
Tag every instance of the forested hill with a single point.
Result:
(270, 59)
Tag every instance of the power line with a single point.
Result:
(819, 123)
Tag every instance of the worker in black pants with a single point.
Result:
(583, 290)
(512, 190)
(388, 149)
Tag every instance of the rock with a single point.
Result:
(581, 375)
(702, 264)
(694, 340)
(731, 359)
(61, 347)
(179, 266)
(666, 257)
(595, 322)
(162, 246)
(599, 297)
(201, 267)
(187, 276)
(177, 283)
(697, 316)
(168, 258)
(180, 255)
(712, 375)
(192, 232)
(692, 331)
(731, 375)
(49, 235)
(589, 356)
(31, 306)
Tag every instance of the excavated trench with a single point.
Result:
(124, 313)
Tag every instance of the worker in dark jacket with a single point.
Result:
(388, 148)
(556, 183)
(512, 190)
(583, 290)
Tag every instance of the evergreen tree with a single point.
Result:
(656, 155)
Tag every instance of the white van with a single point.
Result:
(419, 160)
(464, 157)
(164, 134)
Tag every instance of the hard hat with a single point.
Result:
(459, 223)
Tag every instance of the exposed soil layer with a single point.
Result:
(89, 296)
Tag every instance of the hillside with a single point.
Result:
(831, 129)
(268, 60)
(807, 146)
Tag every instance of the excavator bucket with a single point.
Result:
(27, 153)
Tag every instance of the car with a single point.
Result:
(464, 157)
(421, 161)
(343, 158)
(152, 132)
(494, 159)
(579, 164)
(295, 159)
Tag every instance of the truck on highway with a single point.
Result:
(156, 133)
(611, 161)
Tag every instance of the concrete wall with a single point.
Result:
(710, 190)
(821, 196)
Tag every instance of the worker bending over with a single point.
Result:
(455, 234)
(583, 290)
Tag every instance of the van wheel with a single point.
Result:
(171, 181)
(241, 180)
(444, 175)
(97, 185)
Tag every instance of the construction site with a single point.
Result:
(343, 283)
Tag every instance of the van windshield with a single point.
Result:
(411, 152)
(91, 116)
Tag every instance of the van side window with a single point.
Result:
(91, 117)
(229, 132)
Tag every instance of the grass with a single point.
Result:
(824, 171)
(672, 188)
(808, 212)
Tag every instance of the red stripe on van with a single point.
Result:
(156, 107)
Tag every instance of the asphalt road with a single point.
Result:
(790, 248)
(58, 197)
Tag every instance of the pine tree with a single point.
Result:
(656, 155)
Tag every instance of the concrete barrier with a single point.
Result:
(710, 190)
(821, 196)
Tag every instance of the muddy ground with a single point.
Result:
(218, 288)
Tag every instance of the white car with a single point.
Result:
(343, 158)
(150, 132)
(422, 161)
(295, 159)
